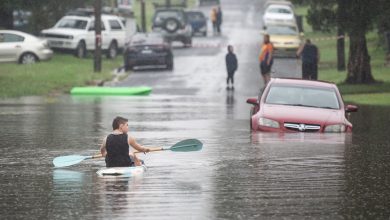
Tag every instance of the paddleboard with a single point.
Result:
(123, 91)
(122, 171)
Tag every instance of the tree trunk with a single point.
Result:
(359, 68)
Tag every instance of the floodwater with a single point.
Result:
(237, 175)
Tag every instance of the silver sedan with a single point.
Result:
(22, 47)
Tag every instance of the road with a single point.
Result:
(201, 70)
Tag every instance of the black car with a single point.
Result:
(198, 22)
(173, 24)
(148, 49)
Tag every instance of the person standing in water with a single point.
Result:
(266, 59)
(231, 66)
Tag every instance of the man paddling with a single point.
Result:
(115, 147)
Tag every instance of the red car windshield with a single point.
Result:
(303, 96)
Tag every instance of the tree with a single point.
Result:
(6, 13)
(358, 21)
(321, 15)
(356, 18)
(44, 13)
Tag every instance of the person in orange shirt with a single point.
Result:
(213, 18)
(266, 59)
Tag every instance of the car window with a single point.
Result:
(92, 26)
(162, 15)
(150, 39)
(282, 30)
(195, 16)
(114, 24)
(279, 10)
(9, 38)
(303, 96)
(72, 23)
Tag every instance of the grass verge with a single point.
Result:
(58, 75)
(368, 94)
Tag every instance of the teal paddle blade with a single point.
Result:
(69, 160)
(187, 145)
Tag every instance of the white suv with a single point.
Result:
(77, 33)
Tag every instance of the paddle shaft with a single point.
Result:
(136, 152)
(96, 156)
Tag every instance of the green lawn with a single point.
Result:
(57, 75)
(374, 94)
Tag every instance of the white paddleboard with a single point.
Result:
(122, 171)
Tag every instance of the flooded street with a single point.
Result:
(237, 175)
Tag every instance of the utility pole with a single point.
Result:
(97, 67)
(143, 16)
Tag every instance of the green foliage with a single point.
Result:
(322, 15)
(46, 13)
(383, 21)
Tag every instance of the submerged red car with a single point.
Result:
(297, 105)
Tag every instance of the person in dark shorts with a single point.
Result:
(266, 59)
(231, 66)
(115, 147)
(310, 57)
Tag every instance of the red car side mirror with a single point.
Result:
(351, 108)
(252, 101)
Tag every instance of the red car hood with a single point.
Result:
(298, 114)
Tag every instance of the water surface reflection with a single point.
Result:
(237, 175)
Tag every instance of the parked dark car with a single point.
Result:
(173, 24)
(148, 49)
(198, 22)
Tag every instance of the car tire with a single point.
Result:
(171, 25)
(112, 51)
(28, 58)
(81, 50)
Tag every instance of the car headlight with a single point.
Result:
(268, 123)
(335, 128)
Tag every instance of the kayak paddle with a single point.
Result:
(182, 146)
(64, 161)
